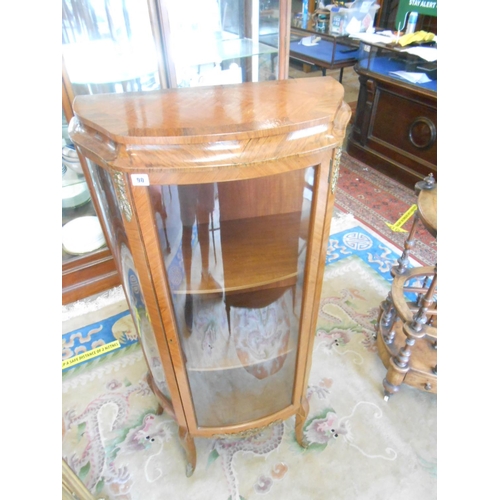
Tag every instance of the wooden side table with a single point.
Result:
(407, 325)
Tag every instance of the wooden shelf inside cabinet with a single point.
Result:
(219, 203)
(274, 265)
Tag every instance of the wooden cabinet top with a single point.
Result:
(190, 115)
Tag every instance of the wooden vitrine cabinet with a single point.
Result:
(217, 205)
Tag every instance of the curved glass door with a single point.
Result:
(234, 258)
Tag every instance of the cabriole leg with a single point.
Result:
(300, 420)
(187, 443)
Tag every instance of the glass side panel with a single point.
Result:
(108, 202)
(81, 233)
(222, 42)
(108, 46)
(234, 254)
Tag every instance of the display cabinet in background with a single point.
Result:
(87, 263)
(217, 204)
(395, 126)
(332, 51)
(115, 46)
(221, 42)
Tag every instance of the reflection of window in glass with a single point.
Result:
(221, 42)
(230, 15)
(198, 36)
(108, 46)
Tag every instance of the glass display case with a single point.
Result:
(218, 215)
(324, 38)
(327, 51)
(403, 64)
(215, 42)
(87, 264)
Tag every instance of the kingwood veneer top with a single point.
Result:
(235, 111)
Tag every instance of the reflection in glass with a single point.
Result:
(108, 46)
(235, 265)
(223, 41)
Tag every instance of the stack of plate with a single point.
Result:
(82, 235)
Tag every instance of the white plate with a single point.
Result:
(82, 235)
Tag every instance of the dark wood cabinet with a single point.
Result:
(395, 126)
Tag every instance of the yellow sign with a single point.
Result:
(397, 226)
(84, 356)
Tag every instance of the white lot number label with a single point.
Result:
(140, 179)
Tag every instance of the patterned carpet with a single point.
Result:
(360, 447)
(375, 199)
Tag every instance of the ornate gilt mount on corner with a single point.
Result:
(121, 192)
(336, 169)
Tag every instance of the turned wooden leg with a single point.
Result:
(187, 443)
(300, 420)
(399, 366)
(388, 310)
(403, 261)
(393, 379)
(387, 319)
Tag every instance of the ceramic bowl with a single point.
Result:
(70, 158)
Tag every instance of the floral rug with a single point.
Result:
(360, 447)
